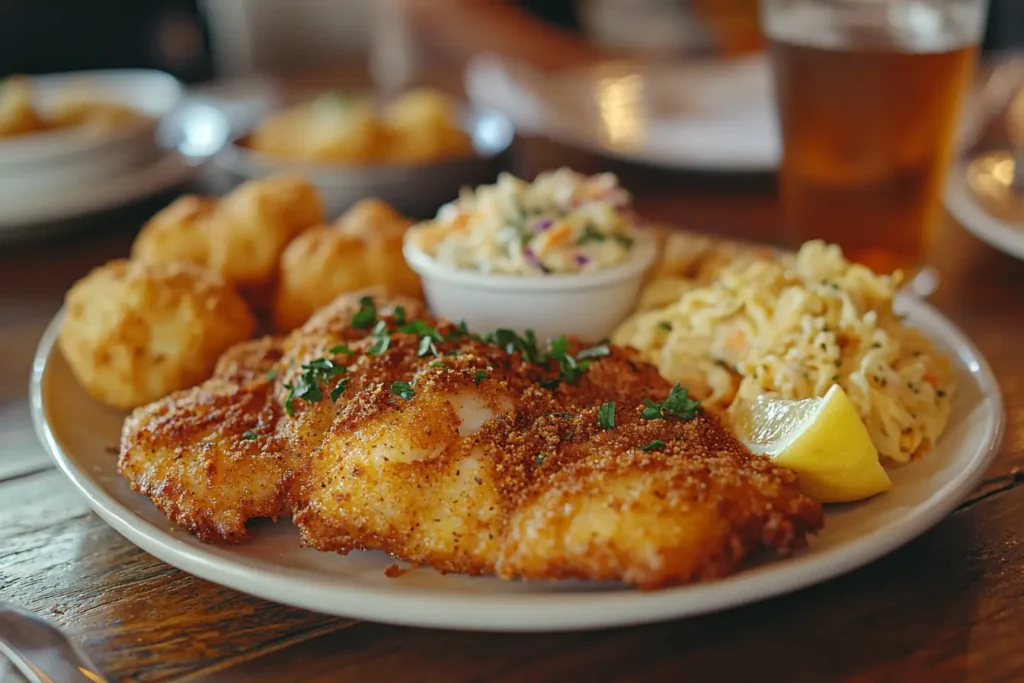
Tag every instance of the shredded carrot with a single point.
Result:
(558, 235)
(931, 379)
(737, 341)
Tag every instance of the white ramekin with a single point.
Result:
(588, 305)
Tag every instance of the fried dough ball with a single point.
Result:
(332, 128)
(240, 236)
(423, 126)
(95, 116)
(363, 248)
(134, 332)
(18, 116)
(177, 233)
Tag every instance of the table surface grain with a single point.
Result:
(946, 607)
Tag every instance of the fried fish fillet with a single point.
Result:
(457, 453)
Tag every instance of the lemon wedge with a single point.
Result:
(823, 440)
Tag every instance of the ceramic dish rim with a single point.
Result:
(526, 612)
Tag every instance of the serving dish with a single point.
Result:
(414, 189)
(47, 162)
(78, 432)
(975, 212)
(587, 305)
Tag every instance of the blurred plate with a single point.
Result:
(979, 197)
(713, 115)
(709, 115)
(50, 162)
(185, 137)
(416, 190)
(154, 93)
(78, 432)
(88, 197)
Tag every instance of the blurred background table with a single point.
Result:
(944, 608)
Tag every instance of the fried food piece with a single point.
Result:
(472, 466)
(240, 236)
(334, 127)
(18, 115)
(134, 332)
(177, 233)
(95, 116)
(423, 126)
(362, 249)
(209, 477)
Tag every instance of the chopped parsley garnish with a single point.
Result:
(540, 459)
(399, 315)
(271, 374)
(479, 377)
(591, 235)
(367, 314)
(421, 328)
(249, 435)
(665, 326)
(606, 415)
(338, 390)
(571, 369)
(627, 242)
(677, 404)
(437, 364)
(342, 348)
(512, 342)
(383, 337)
(599, 351)
(427, 347)
(655, 445)
(307, 386)
(403, 390)
(550, 383)
(461, 330)
(325, 366)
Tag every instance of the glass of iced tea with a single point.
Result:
(869, 97)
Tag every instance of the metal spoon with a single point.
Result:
(40, 651)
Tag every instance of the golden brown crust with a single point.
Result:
(177, 233)
(481, 471)
(362, 249)
(134, 332)
(240, 237)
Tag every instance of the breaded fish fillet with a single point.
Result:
(443, 449)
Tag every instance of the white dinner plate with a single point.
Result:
(79, 433)
(969, 212)
(88, 197)
(709, 114)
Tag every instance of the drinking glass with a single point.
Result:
(869, 98)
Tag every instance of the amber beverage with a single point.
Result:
(869, 121)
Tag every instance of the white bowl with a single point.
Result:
(586, 305)
(416, 190)
(51, 161)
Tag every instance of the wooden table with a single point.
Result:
(947, 607)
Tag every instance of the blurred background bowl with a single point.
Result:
(49, 161)
(416, 190)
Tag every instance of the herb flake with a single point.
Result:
(367, 314)
(655, 445)
(606, 415)
(403, 390)
(677, 404)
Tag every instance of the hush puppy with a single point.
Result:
(134, 332)
(362, 249)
